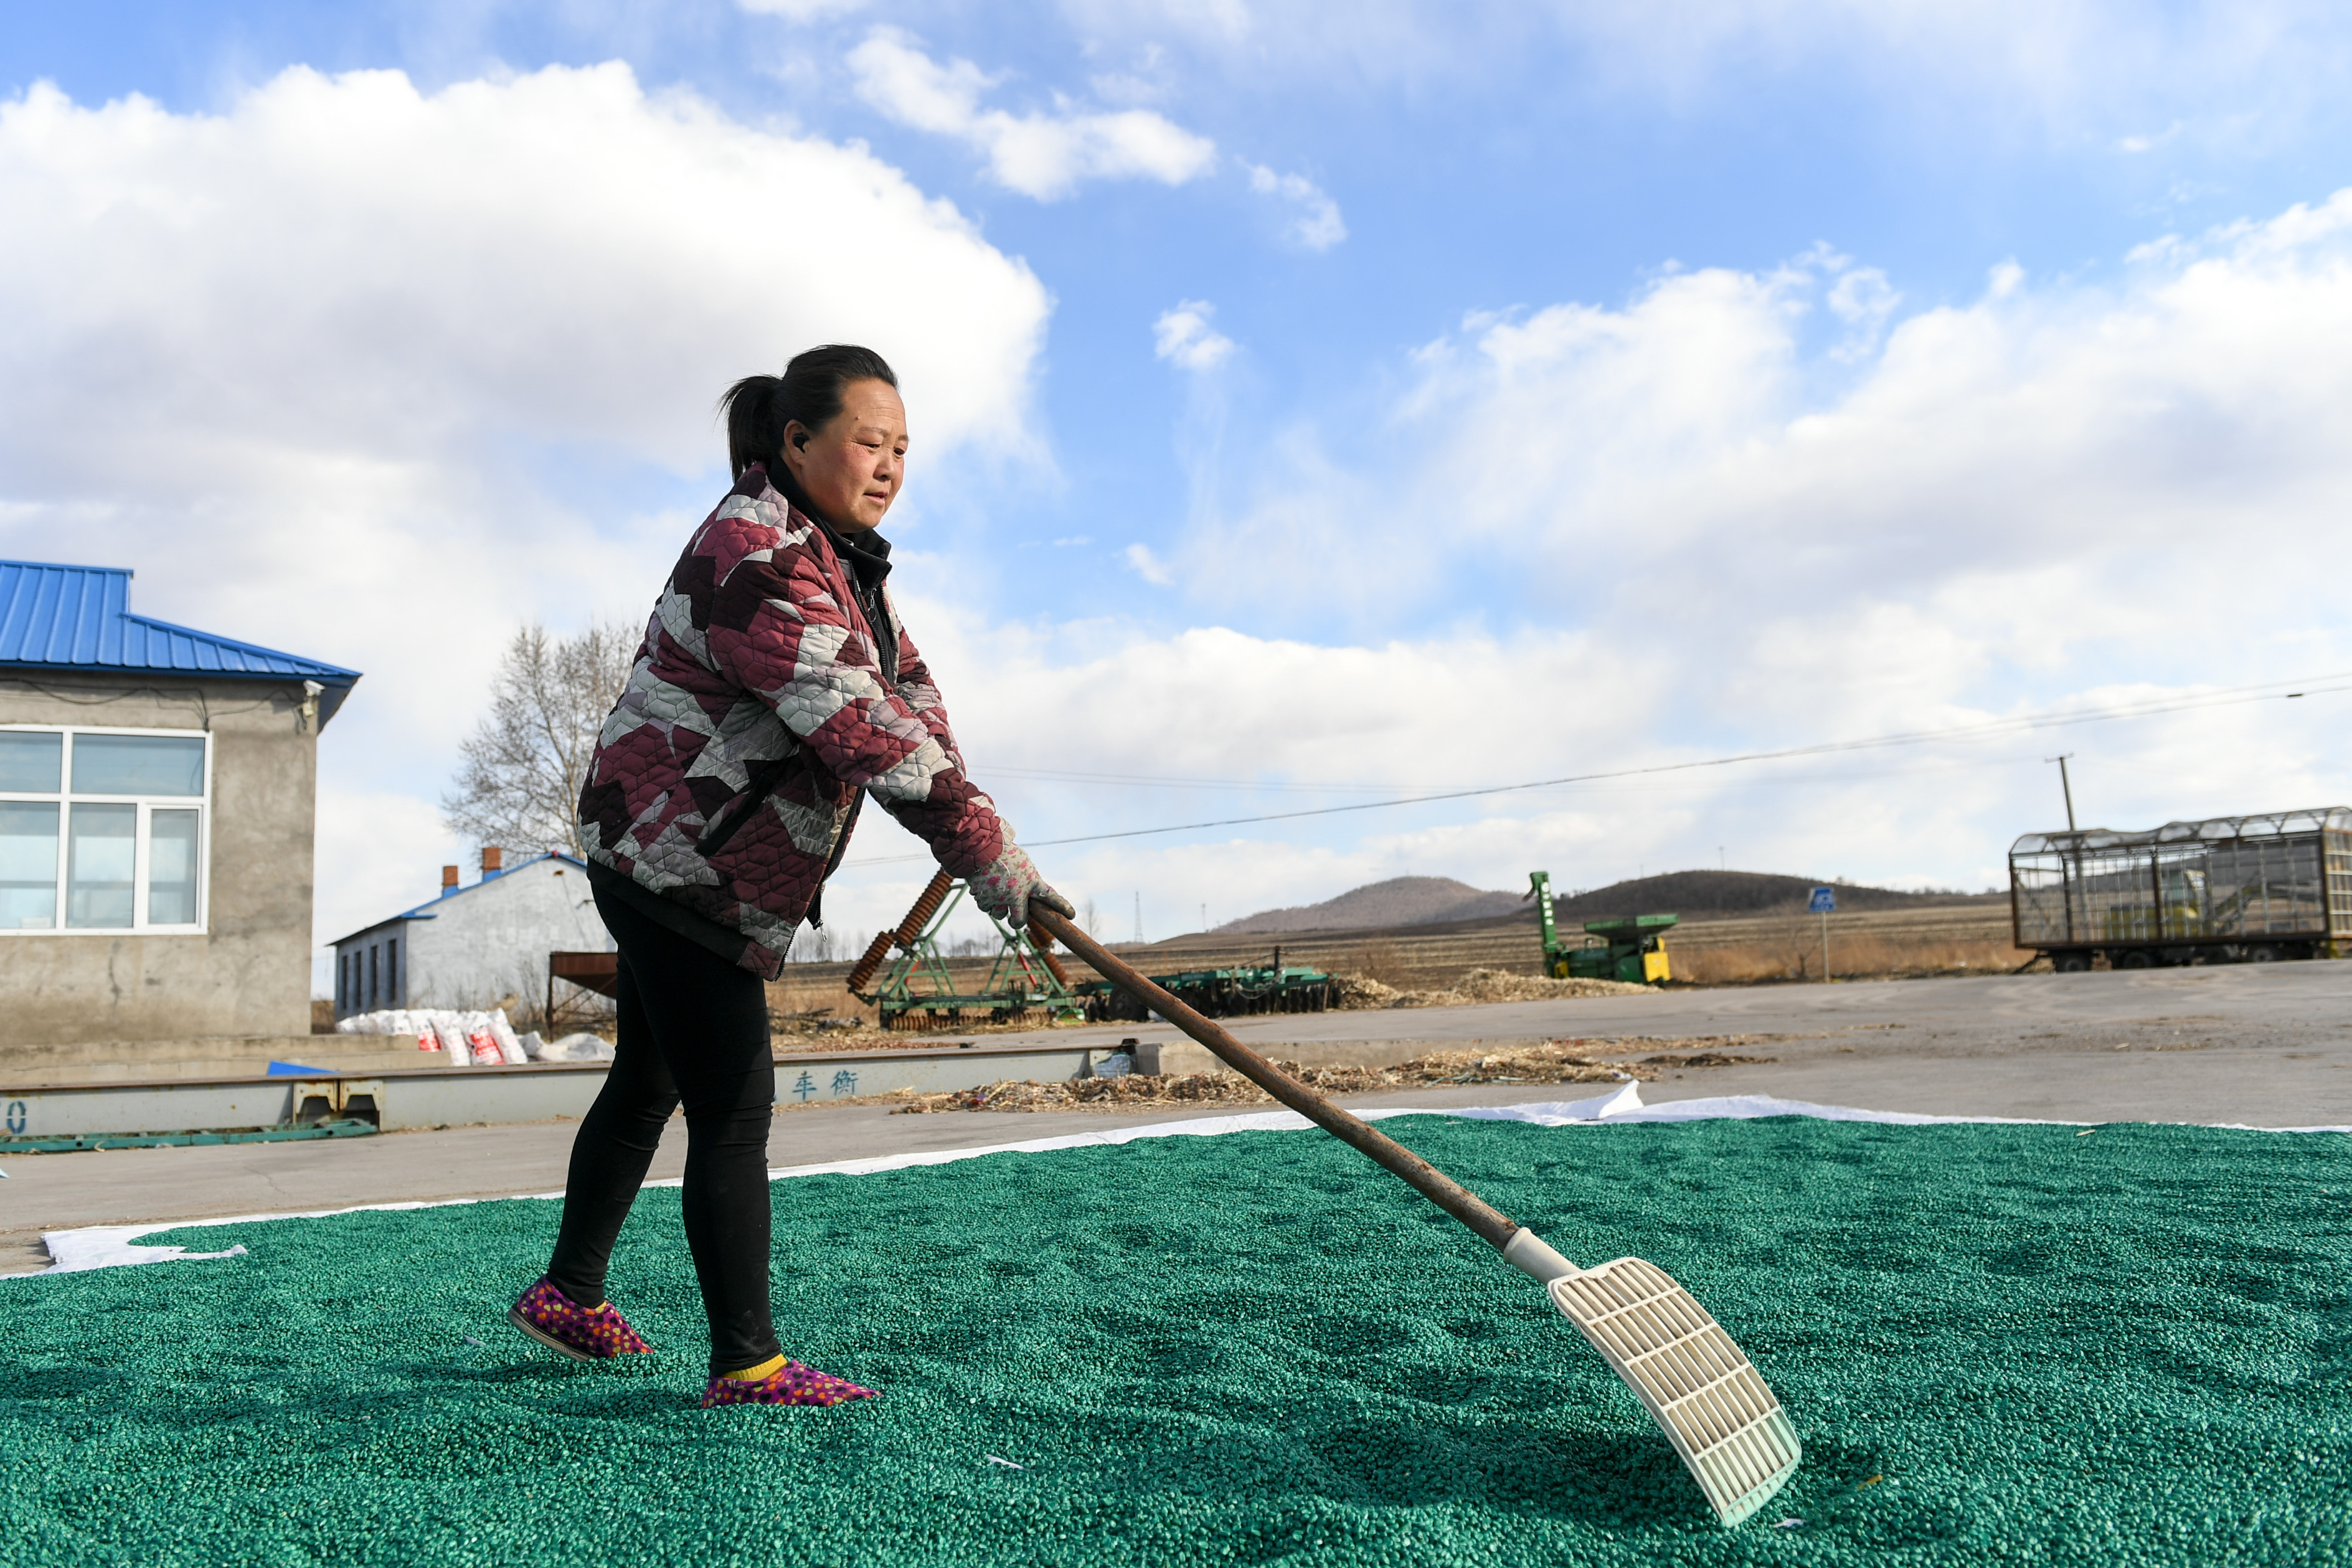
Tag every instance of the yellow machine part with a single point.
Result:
(1653, 966)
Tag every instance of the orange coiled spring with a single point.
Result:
(875, 951)
(927, 904)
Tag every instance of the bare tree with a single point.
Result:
(822, 945)
(1795, 939)
(520, 784)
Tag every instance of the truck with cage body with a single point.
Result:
(2229, 889)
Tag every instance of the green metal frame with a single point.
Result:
(918, 980)
(1540, 889)
(1220, 993)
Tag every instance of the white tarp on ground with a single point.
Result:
(117, 1246)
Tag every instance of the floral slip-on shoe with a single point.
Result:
(791, 1383)
(583, 1333)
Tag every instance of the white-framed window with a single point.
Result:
(104, 830)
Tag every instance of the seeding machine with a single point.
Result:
(1026, 978)
(1222, 993)
(1027, 982)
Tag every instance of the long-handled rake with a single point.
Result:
(1687, 1372)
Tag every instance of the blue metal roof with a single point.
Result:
(78, 617)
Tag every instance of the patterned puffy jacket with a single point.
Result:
(725, 778)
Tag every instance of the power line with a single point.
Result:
(1988, 729)
(1159, 781)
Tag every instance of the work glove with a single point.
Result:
(1007, 884)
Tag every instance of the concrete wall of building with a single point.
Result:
(249, 973)
(488, 940)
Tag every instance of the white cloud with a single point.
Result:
(802, 10)
(1863, 298)
(1044, 155)
(2051, 495)
(1184, 337)
(1316, 223)
(2233, 74)
(360, 333)
(374, 375)
(1464, 708)
(1146, 566)
(2041, 466)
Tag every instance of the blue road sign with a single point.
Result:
(1824, 901)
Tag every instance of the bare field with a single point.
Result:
(798, 994)
(1859, 957)
(1971, 938)
(1957, 939)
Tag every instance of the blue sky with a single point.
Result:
(1311, 404)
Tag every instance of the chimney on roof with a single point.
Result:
(493, 860)
(448, 878)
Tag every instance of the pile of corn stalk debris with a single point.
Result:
(1359, 994)
(1557, 1061)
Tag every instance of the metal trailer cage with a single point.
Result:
(2231, 888)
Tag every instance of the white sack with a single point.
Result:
(581, 1047)
(509, 1044)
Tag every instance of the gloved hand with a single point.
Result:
(1007, 884)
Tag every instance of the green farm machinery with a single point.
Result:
(1026, 977)
(1227, 992)
(1630, 948)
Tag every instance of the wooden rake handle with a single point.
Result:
(1424, 1178)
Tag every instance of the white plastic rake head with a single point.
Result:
(1694, 1381)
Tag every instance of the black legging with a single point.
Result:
(693, 1028)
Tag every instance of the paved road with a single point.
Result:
(2266, 1046)
(2256, 1004)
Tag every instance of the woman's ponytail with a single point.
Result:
(754, 432)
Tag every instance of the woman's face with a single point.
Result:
(850, 469)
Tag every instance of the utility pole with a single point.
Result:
(2064, 784)
(1138, 916)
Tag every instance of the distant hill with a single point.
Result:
(1688, 893)
(1431, 901)
(1398, 901)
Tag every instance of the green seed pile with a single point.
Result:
(1999, 1344)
